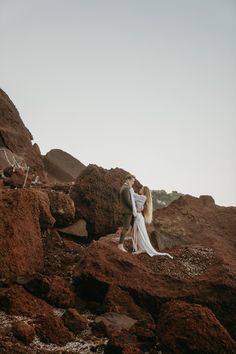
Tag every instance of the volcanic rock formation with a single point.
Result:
(61, 166)
(59, 294)
(16, 140)
(96, 197)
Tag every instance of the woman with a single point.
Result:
(142, 210)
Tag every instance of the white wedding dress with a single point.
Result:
(141, 242)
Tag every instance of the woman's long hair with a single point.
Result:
(148, 208)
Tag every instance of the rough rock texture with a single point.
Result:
(111, 322)
(191, 220)
(123, 342)
(60, 256)
(189, 328)
(74, 321)
(197, 274)
(15, 137)
(23, 331)
(17, 179)
(120, 301)
(61, 166)
(54, 289)
(62, 208)
(51, 329)
(96, 197)
(22, 213)
(17, 301)
(10, 345)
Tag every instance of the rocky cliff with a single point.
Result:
(16, 140)
(65, 287)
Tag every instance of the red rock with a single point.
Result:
(122, 342)
(10, 345)
(23, 331)
(21, 248)
(196, 274)
(17, 301)
(145, 333)
(60, 256)
(191, 220)
(15, 137)
(96, 197)
(120, 301)
(46, 219)
(53, 289)
(78, 229)
(51, 329)
(17, 179)
(189, 328)
(74, 321)
(112, 322)
(61, 293)
(62, 208)
(61, 166)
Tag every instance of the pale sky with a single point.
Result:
(145, 85)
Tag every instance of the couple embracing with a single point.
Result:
(137, 208)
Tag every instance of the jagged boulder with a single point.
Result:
(53, 289)
(61, 166)
(74, 321)
(49, 327)
(16, 140)
(23, 331)
(62, 208)
(190, 328)
(23, 213)
(96, 197)
(197, 274)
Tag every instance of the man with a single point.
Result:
(126, 209)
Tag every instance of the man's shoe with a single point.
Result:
(121, 247)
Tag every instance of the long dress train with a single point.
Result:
(141, 242)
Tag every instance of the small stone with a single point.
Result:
(23, 331)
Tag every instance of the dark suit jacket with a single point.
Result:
(125, 200)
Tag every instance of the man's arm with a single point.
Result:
(127, 198)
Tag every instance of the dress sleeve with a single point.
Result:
(139, 198)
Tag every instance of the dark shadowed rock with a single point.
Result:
(74, 321)
(62, 208)
(61, 166)
(14, 136)
(17, 301)
(17, 179)
(189, 328)
(122, 342)
(51, 329)
(120, 301)
(10, 345)
(54, 289)
(23, 331)
(96, 197)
